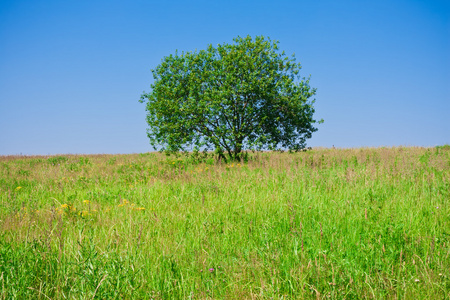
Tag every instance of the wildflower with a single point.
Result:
(211, 270)
(124, 202)
(140, 208)
(86, 201)
(18, 188)
(64, 206)
(417, 280)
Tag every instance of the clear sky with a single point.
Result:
(72, 72)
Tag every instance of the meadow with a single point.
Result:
(321, 224)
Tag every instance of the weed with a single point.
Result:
(324, 223)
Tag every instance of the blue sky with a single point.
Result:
(72, 72)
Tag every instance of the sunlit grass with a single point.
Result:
(326, 223)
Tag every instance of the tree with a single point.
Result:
(234, 97)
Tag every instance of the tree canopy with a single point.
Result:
(230, 98)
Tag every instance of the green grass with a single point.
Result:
(326, 223)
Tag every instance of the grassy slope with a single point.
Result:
(339, 223)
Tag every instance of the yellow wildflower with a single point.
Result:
(64, 206)
(86, 201)
(18, 188)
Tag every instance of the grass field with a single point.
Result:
(326, 223)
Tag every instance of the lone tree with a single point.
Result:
(234, 97)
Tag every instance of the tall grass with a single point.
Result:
(326, 223)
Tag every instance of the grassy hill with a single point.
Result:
(326, 223)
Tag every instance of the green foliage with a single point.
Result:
(327, 224)
(424, 158)
(56, 160)
(73, 167)
(84, 161)
(229, 98)
(23, 172)
(112, 161)
(443, 147)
